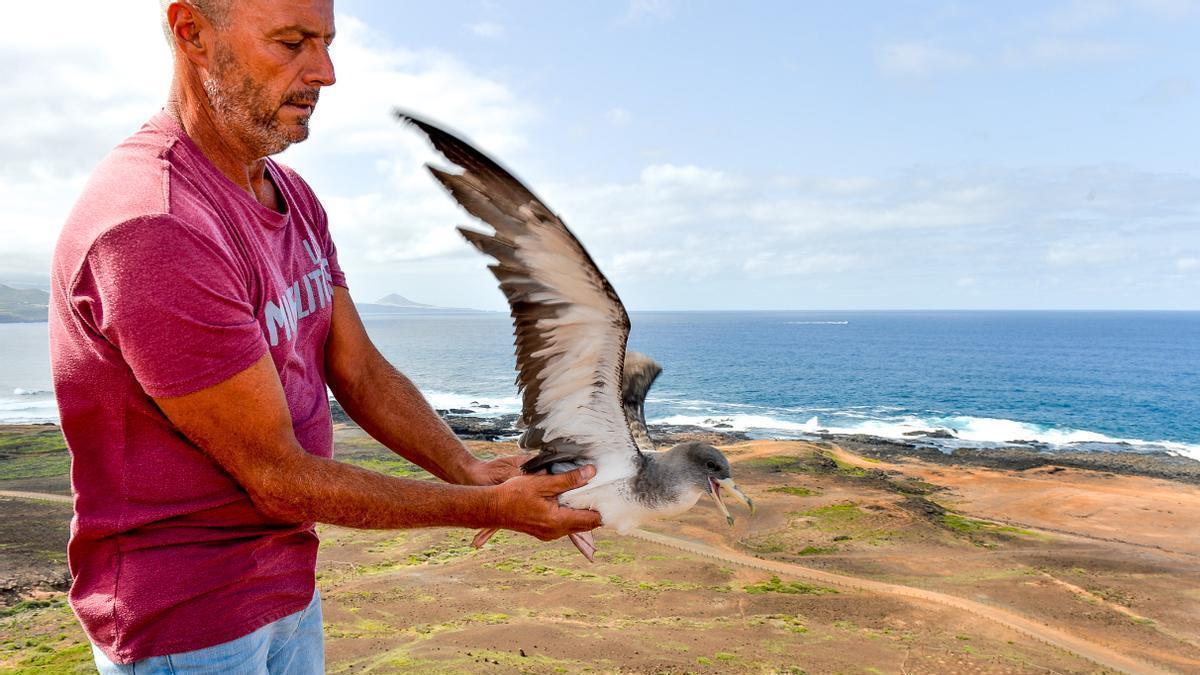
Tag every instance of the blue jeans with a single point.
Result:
(293, 644)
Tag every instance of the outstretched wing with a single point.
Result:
(639, 375)
(570, 326)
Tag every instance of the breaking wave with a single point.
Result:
(958, 431)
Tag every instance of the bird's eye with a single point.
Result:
(712, 466)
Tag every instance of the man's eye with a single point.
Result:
(292, 45)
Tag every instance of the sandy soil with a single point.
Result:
(1107, 560)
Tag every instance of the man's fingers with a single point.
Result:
(570, 480)
(580, 520)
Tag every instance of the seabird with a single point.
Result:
(582, 395)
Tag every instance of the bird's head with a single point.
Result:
(708, 469)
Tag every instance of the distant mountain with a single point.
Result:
(397, 300)
(27, 305)
(398, 304)
(23, 305)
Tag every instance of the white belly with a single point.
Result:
(619, 508)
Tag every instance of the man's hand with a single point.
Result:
(495, 471)
(529, 504)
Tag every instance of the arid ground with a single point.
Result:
(935, 568)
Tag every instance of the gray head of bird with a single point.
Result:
(707, 468)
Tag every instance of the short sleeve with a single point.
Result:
(337, 276)
(172, 301)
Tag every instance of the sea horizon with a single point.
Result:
(1079, 380)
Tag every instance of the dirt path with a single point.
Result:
(1091, 651)
(40, 496)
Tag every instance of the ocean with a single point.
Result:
(1079, 380)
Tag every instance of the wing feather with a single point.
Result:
(569, 324)
(638, 376)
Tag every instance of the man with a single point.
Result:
(198, 313)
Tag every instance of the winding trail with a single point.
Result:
(1096, 653)
(39, 496)
(1080, 647)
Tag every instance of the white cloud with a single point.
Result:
(920, 58)
(687, 263)
(642, 10)
(374, 76)
(1080, 15)
(619, 117)
(998, 228)
(1086, 252)
(1056, 51)
(81, 92)
(487, 29)
(1166, 91)
(1006, 231)
(675, 179)
(766, 264)
(73, 90)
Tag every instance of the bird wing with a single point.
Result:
(638, 376)
(570, 325)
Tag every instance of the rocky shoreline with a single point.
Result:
(469, 425)
(1018, 458)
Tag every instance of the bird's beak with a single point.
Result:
(728, 484)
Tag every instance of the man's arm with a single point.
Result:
(243, 423)
(390, 408)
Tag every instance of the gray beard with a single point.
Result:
(244, 110)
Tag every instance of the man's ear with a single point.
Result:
(189, 30)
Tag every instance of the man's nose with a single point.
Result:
(320, 72)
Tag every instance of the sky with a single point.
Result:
(710, 155)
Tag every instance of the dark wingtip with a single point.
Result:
(409, 118)
(440, 134)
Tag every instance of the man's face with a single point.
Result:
(267, 68)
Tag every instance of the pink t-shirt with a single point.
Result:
(169, 278)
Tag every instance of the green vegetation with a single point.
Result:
(796, 491)
(775, 585)
(392, 465)
(836, 516)
(33, 452)
(400, 660)
(776, 463)
(816, 550)
(767, 543)
(788, 622)
(28, 605)
(42, 636)
(847, 469)
(965, 525)
(1113, 595)
(912, 486)
(437, 555)
(531, 569)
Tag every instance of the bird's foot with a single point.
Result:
(584, 542)
(482, 537)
